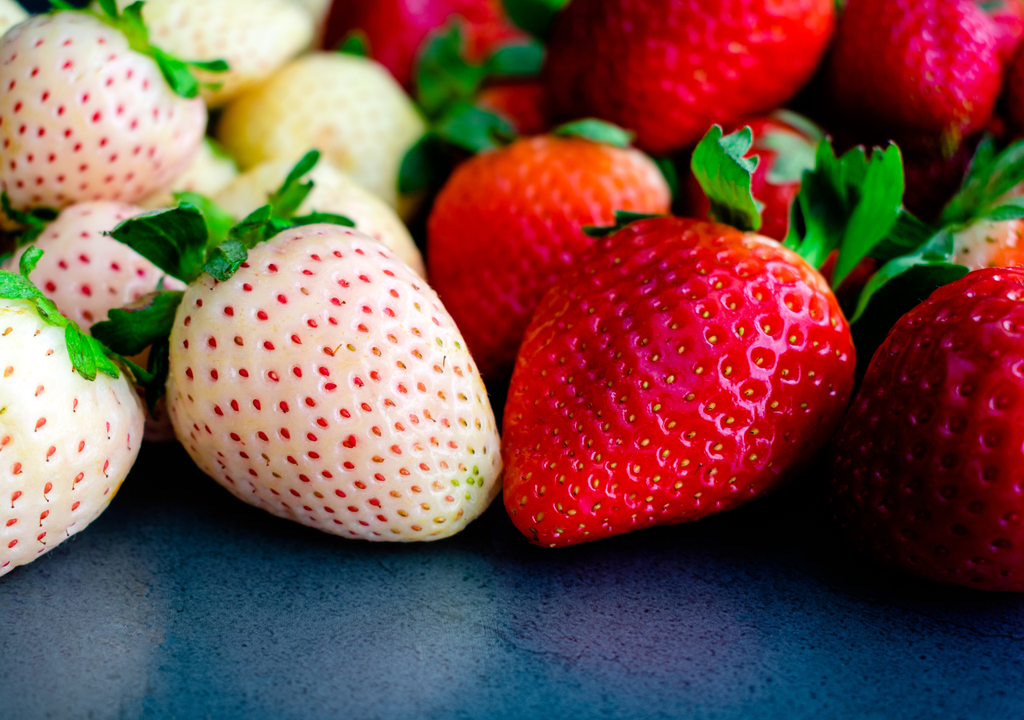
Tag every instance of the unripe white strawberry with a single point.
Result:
(333, 192)
(85, 117)
(325, 383)
(11, 13)
(255, 37)
(210, 171)
(85, 272)
(347, 107)
(66, 443)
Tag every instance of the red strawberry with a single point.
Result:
(926, 464)
(785, 144)
(683, 368)
(668, 69)
(397, 28)
(510, 222)
(1008, 16)
(523, 104)
(925, 74)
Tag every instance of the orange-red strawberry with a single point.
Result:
(784, 143)
(668, 69)
(510, 222)
(396, 29)
(926, 466)
(681, 369)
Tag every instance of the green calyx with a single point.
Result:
(185, 243)
(599, 131)
(88, 355)
(32, 223)
(178, 73)
(622, 219)
(534, 16)
(725, 175)
(446, 86)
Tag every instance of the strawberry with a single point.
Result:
(11, 13)
(1014, 95)
(682, 368)
(396, 29)
(925, 74)
(510, 222)
(210, 171)
(332, 192)
(1008, 18)
(785, 144)
(316, 376)
(523, 104)
(347, 107)
(255, 37)
(70, 424)
(669, 69)
(926, 464)
(87, 114)
(87, 273)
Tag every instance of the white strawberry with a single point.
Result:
(210, 171)
(318, 377)
(350, 108)
(83, 116)
(255, 37)
(66, 443)
(85, 272)
(11, 13)
(333, 192)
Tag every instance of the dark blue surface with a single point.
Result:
(181, 602)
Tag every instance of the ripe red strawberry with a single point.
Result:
(85, 116)
(926, 468)
(785, 144)
(523, 104)
(1008, 17)
(681, 369)
(925, 74)
(668, 69)
(397, 28)
(509, 223)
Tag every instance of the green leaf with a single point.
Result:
(109, 7)
(256, 227)
(154, 382)
(315, 218)
(473, 128)
(29, 259)
(596, 130)
(136, 326)
(443, 77)
(534, 16)
(34, 222)
(725, 174)
(80, 351)
(225, 259)
(906, 235)
(173, 239)
(218, 220)
(521, 59)
(287, 198)
(989, 178)
(423, 165)
(176, 73)
(794, 155)
(214, 66)
(622, 219)
(57, 5)
(806, 127)
(355, 43)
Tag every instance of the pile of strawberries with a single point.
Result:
(691, 247)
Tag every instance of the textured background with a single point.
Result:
(181, 602)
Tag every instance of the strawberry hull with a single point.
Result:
(683, 369)
(926, 465)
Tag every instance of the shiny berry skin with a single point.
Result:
(926, 465)
(923, 73)
(509, 223)
(397, 29)
(775, 181)
(683, 369)
(668, 69)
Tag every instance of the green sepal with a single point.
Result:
(173, 239)
(225, 259)
(515, 60)
(622, 219)
(534, 16)
(794, 150)
(285, 201)
(990, 177)
(423, 165)
(131, 329)
(218, 220)
(87, 354)
(356, 43)
(442, 76)
(34, 222)
(315, 218)
(725, 175)
(58, 5)
(599, 131)
(472, 128)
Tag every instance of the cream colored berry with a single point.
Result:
(11, 13)
(209, 172)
